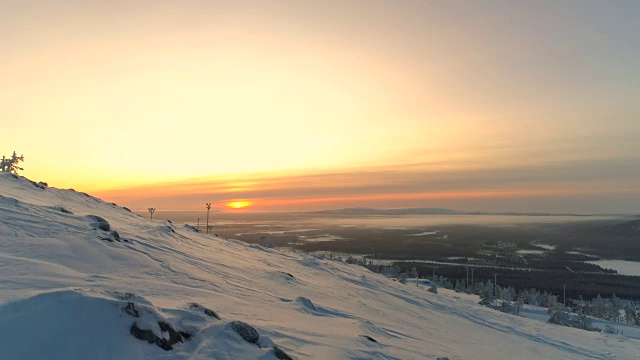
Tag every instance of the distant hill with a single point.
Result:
(626, 228)
(407, 211)
(428, 211)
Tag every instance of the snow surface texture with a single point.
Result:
(71, 290)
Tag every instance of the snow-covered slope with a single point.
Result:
(70, 290)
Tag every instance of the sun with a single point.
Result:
(238, 204)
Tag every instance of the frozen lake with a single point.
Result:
(631, 268)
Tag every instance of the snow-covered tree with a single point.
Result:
(11, 164)
(487, 295)
(629, 314)
(445, 283)
(414, 273)
(598, 309)
(507, 307)
(505, 293)
(394, 271)
(403, 278)
(433, 289)
(559, 315)
(614, 308)
(519, 304)
(582, 321)
(533, 297)
(512, 293)
(544, 299)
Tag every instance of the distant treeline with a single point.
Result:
(575, 243)
(587, 285)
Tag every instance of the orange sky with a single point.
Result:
(292, 104)
(413, 185)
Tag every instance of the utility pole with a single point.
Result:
(495, 287)
(467, 283)
(472, 283)
(151, 211)
(208, 210)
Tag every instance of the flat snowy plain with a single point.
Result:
(69, 290)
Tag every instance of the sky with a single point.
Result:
(309, 105)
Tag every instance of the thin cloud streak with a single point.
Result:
(400, 186)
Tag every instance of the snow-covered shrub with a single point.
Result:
(559, 315)
(267, 242)
(608, 329)
(582, 321)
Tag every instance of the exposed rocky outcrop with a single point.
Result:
(206, 311)
(131, 309)
(281, 354)
(246, 331)
(369, 338)
(99, 223)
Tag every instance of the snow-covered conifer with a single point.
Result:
(629, 314)
(414, 273)
(433, 289)
(598, 307)
(533, 297)
(519, 303)
(488, 295)
(11, 164)
(403, 278)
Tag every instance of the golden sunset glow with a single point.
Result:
(238, 204)
(175, 104)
